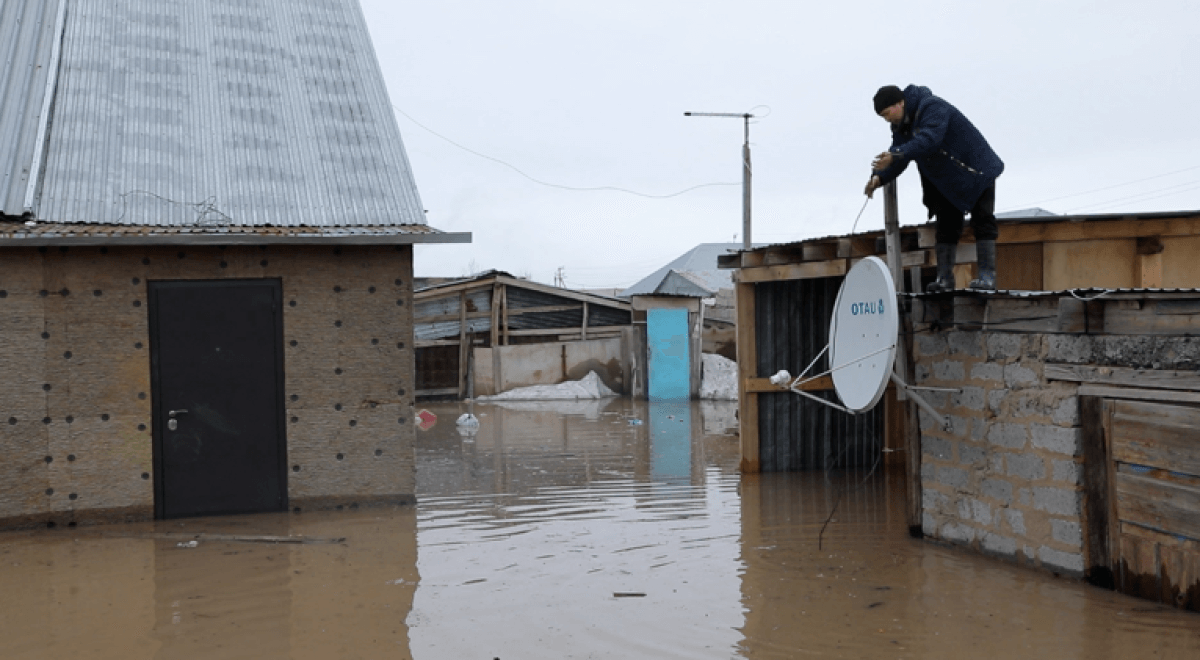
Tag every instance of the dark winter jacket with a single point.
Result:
(948, 149)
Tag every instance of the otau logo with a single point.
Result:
(866, 308)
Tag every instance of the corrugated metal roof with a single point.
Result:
(700, 262)
(27, 37)
(1089, 293)
(44, 233)
(675, 283)
(216, 113)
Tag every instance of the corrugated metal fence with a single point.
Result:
(795, 433)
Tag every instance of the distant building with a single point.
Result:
(493, 332)
(206, 228)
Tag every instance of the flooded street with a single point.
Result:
(613, 529)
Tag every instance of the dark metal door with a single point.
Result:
(217, 378)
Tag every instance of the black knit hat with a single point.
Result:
(887, 95)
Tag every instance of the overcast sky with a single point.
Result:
(1084, 101)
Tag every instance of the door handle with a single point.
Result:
(171, 413)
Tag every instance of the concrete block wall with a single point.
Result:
(1006, 478)
(75, 399)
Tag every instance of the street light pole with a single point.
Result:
(746, 172)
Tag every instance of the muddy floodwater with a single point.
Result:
(614, 529)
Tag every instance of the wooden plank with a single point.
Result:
(441, 391)
(1161, 505)
(538, 332)
(1148, 271)
(758, 385)
(1122, 319)
(1097, 555)
(504, 313)
(545, 309)
(1139, 567)
(463, 347)
(747, 354)
(804, 271)
(1019, 267)
(821, 251)
(1141, 378)
(1179, 577)
(1088, 389)
(1095, 228)
(1157, 435)
(456, 316)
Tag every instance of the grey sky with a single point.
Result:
(1075, 96)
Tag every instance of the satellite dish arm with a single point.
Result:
(922, 403)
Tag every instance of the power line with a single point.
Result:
(555, 185)
(1153, 194)
(1096, 190)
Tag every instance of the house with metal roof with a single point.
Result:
(206, 227)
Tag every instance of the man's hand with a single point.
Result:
(882, 161)
(871, 186)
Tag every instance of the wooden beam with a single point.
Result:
(1139, 394)
(1097, 553)
(804, 271)
(1140, 378)
(463, 346)
(594, 330)
(747, 359)
(504, 312)
(1148, 271)
(1097, 228)
(546, 309)
(456, 316)
(441, 391)
(759, 385)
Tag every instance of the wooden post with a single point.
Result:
(747, 365)
(497, 301)
(463, 346)
(504, 311)
(584, 323)
(907, 409)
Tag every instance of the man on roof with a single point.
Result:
(958, 174)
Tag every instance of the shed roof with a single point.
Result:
(203, 114)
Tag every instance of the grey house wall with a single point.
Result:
(75, 433)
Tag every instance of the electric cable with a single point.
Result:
(555, 185)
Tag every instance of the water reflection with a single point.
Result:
(611, 529)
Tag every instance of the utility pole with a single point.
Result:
(746, 117)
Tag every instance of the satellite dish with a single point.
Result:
(862, 334)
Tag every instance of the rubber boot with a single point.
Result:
(945, 269)
(985, 252)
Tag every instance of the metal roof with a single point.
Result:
(700, 263)
(45, 233)
(1088, 293)
(210, 114)
(29, 31)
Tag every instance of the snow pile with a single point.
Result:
(588, 387)
(720, 377)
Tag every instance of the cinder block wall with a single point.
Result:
(1006, 479)
(75, 408)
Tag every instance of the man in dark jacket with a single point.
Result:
(958, 174)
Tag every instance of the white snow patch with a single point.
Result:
(720, 378)
(588, 387)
